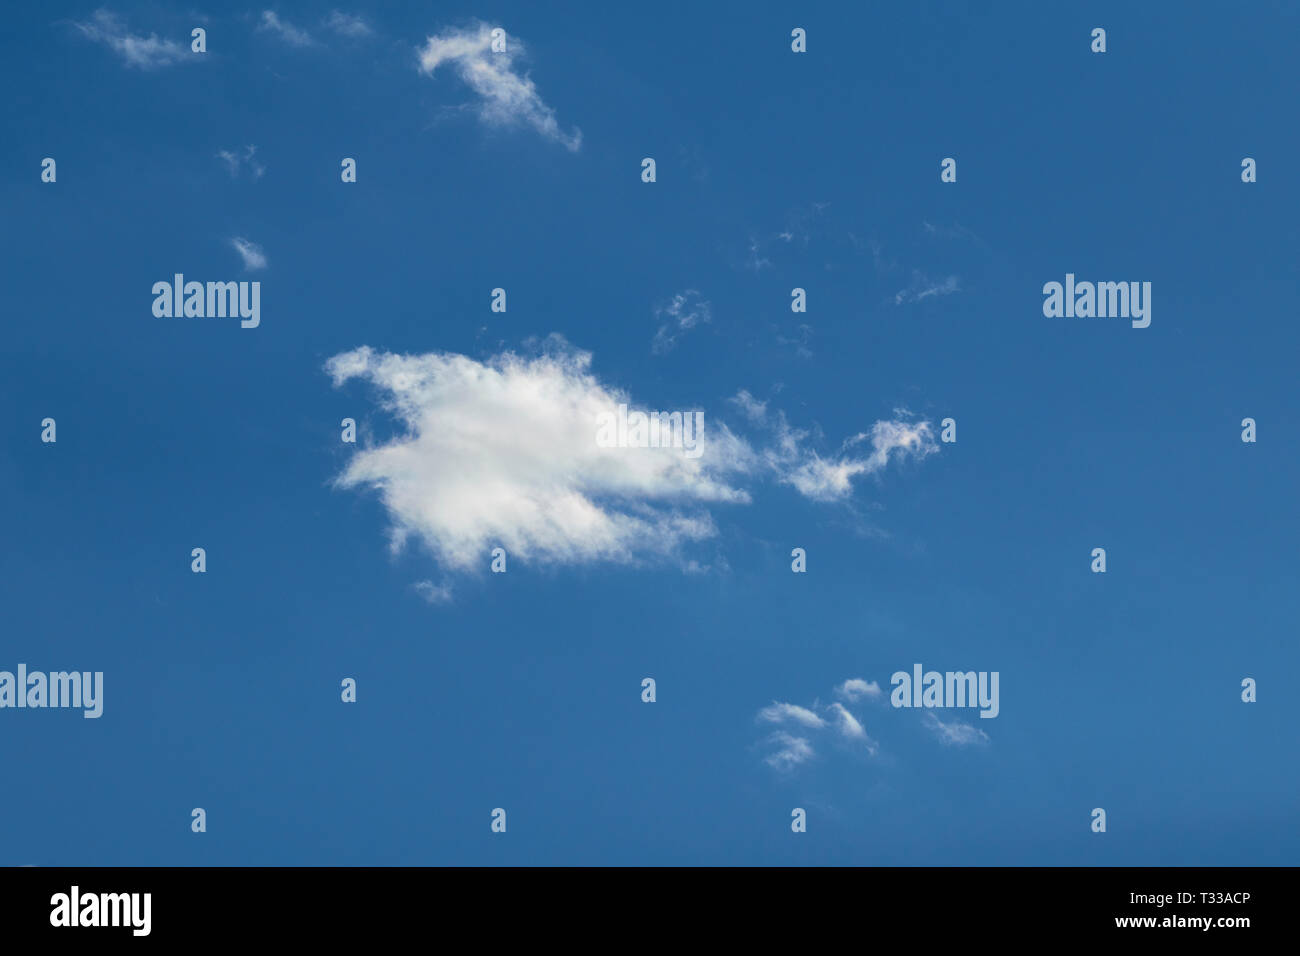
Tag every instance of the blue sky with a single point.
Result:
(522, 690)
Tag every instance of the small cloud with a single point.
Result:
(778, 713)
(851, 728)
(141, 52)
(235, 160)
(506, 98)
(955, 734)
(754, 410)
(271, 23)
(831, 478)
(923, 287)
(433, 593)
(756, 261)
(685, 311)
(801, 343)
(348, 25)
(791, 751)
(252, 254)
(855, 689)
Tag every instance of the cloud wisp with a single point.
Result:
(236, 160)
(505, 96)
(251, 253)
(789, 750)
(348, 25)
(683, 312)
(290, 34)
(141, 52)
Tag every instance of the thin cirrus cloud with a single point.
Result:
(250, 252)
(237, 160)
(503, 453)
(855, 688)
(794, 746)
(954, 733)
(433, 593)
(141, 52)
(778, 712)
(290, 34)
(348, 25)
(506, 98)
(923, 287)
(830, 478)
(684, 311)
(789, 750)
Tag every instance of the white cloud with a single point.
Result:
(777, 713)
(791, 751)
(433, 593)
(955, 734)
(504, 453)
(685, 311)
(754, 410)
(348, 25)
(831, 479)
(851, 728)
(855, 688)
(756, 261)
(252, 254)
(795, 750)
(923, 287)
(145, 53)
(234, 160)
(506, 97)
(271, 23)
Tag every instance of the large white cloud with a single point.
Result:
(505, 97)
(503, 452)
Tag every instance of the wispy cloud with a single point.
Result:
(850, 727)
(433, 593)
(756, 261)
(252, 254)
(954, 733)
(348, 25)
(290, 34)
(754, 410)
(685, 311)
(141, 52)
(503, 453)
(506, 98)
(235, 160)
(923, 287)
(777, 713)
(790, 751)
(855, 688)
(800, 343)
(830, 478)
